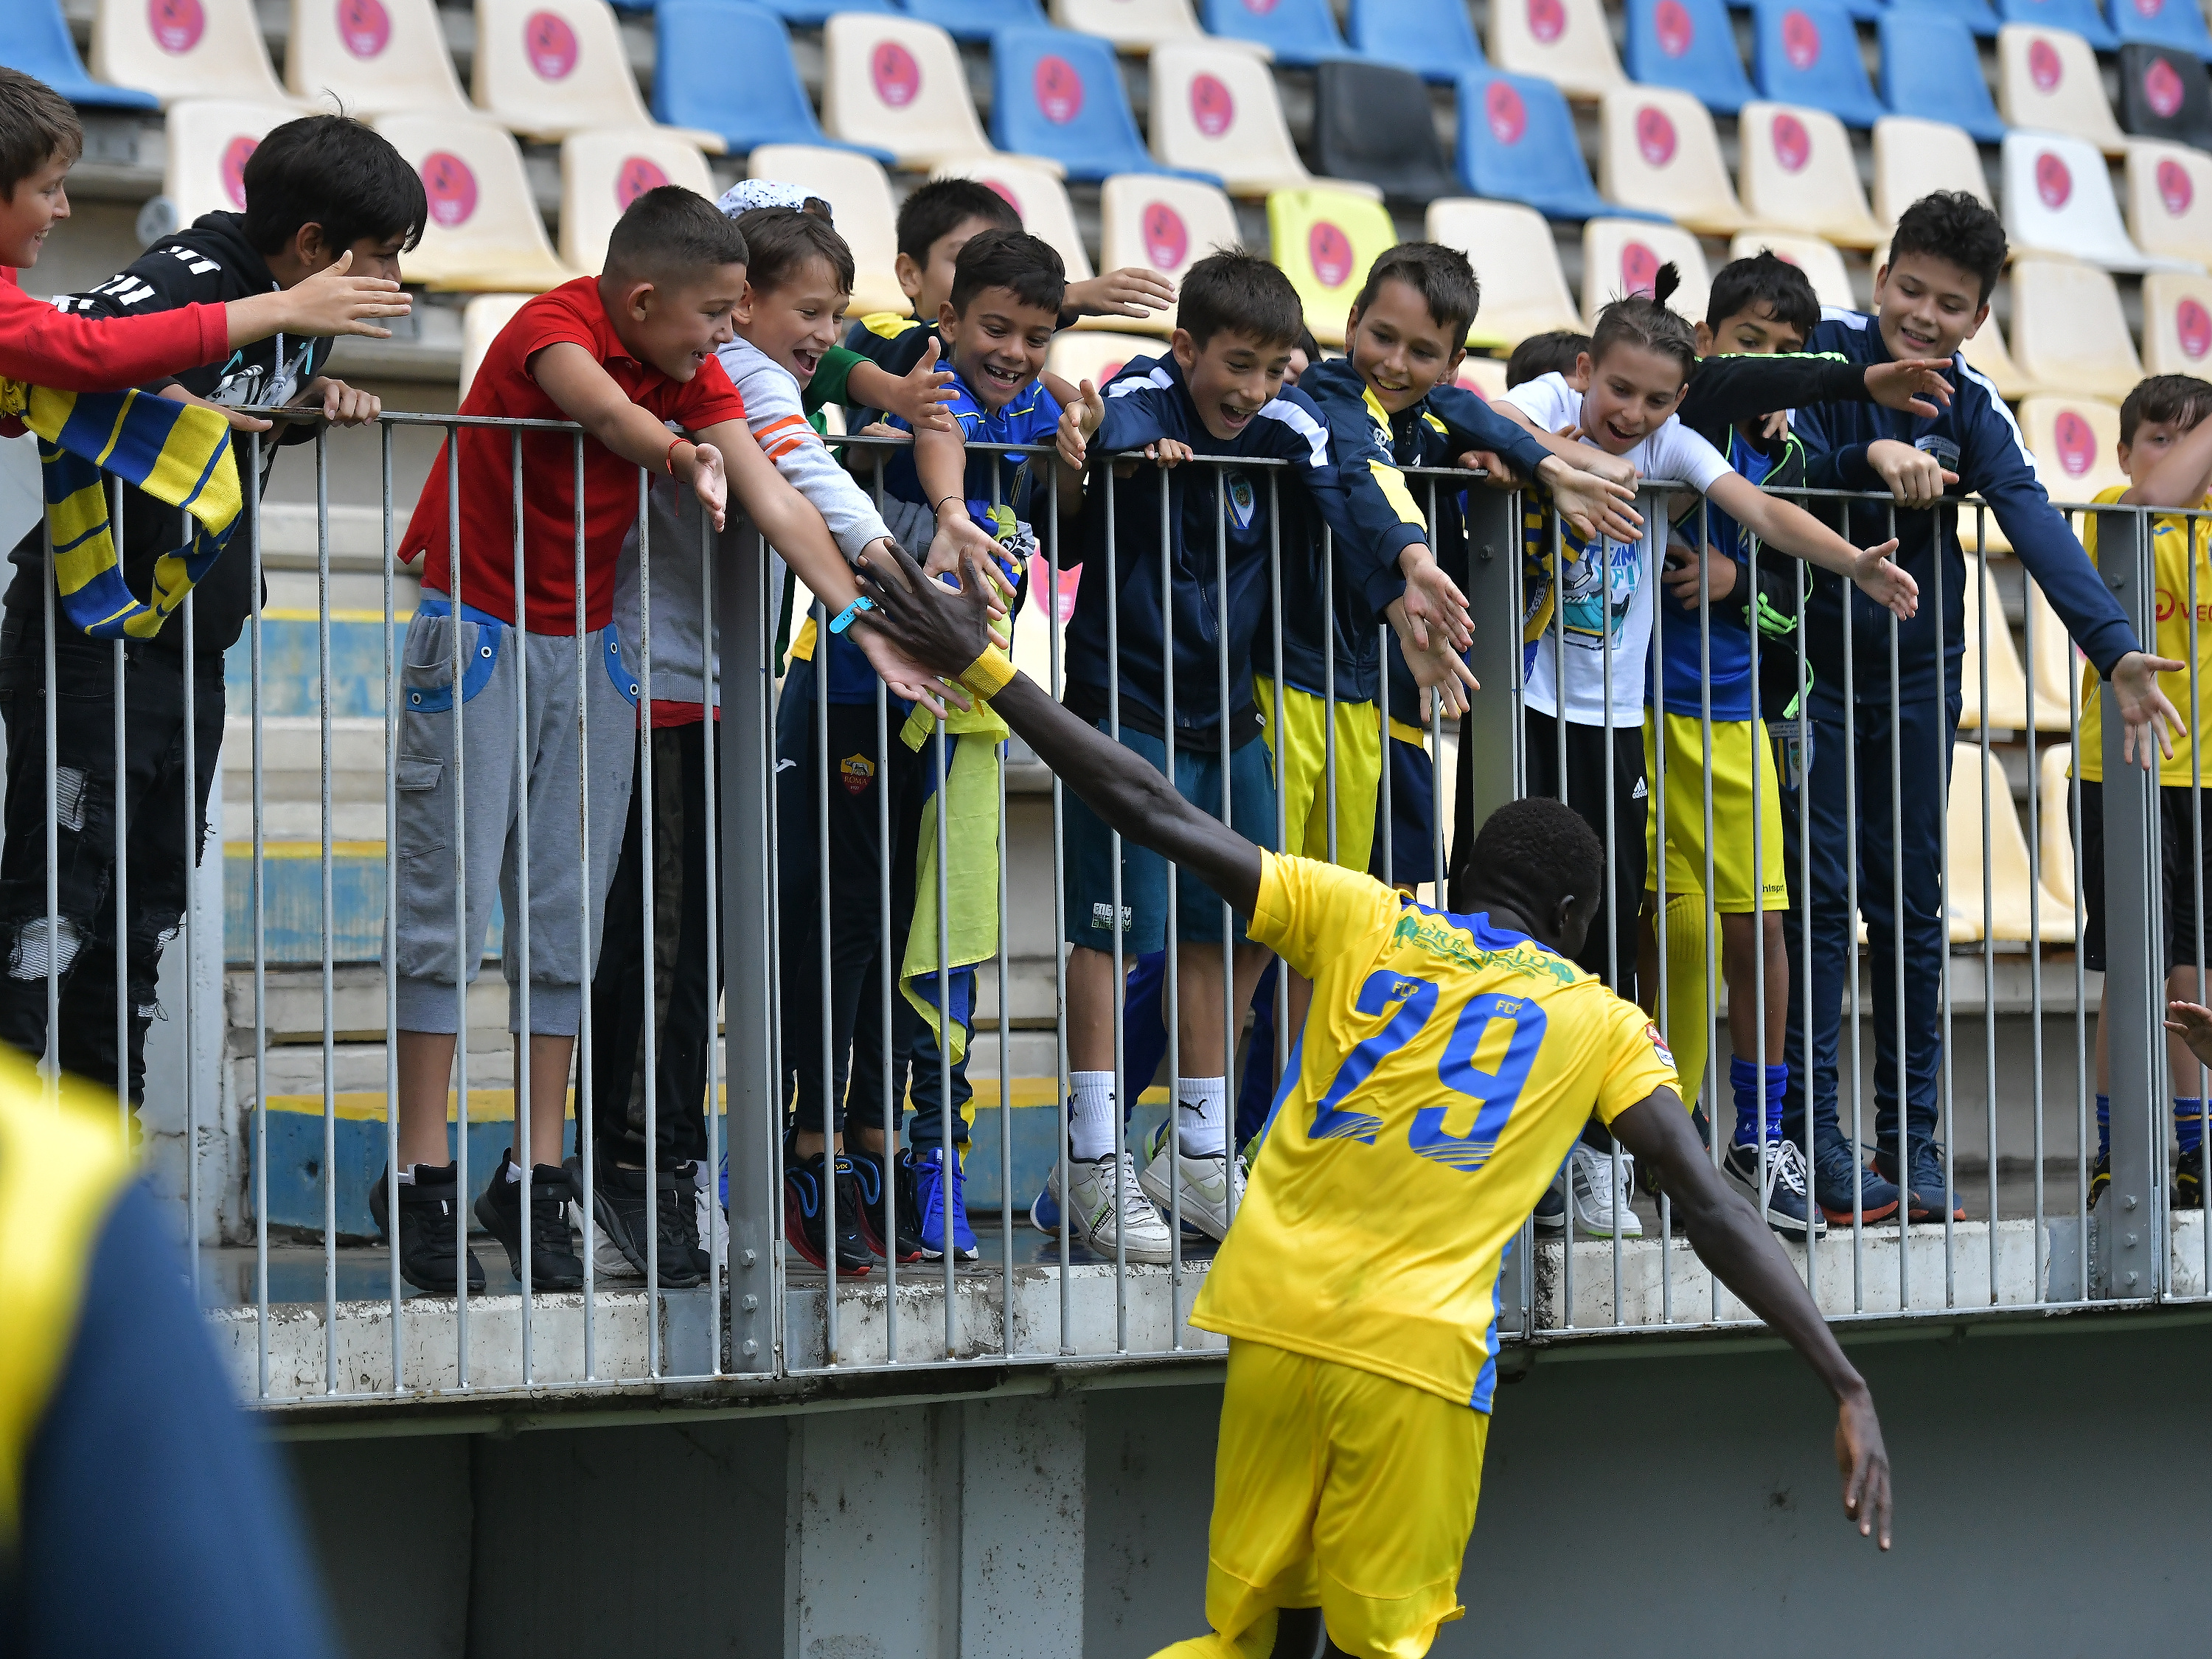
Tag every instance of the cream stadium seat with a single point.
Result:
(1133, 26)
(1094, 354)
(2008, 708)
(2051, 660)
(1163, 224)
(1524, 291)
(2176, 338)
(2055, 838)
(1041, 199)
(1657, 150)
(1484, 374)
(2058, 199)
(481, 318)
(1798, 173)
(602, 172)
(2170, 200)
(1986, 354)
(2010, 896)
(1621, 256)
(377, 57)
(2048, 81)
(209, 140)
(178, 49)
(2075, 442)
(895, 85)
(1568, 42)
(1325, 239)
(860, 197)
(485, 235)
(1912, 158)
(2068, 331)
(1215, 110)
(1820, 262)
(548, 68)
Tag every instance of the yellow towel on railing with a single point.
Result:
(969, 802)
(178, 453)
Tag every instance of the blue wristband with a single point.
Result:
(843, 619)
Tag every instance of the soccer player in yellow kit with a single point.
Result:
(1448, 1061)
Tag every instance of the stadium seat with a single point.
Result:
(1807, 52)
(2170, 200)
(2068, 331)
(2051, 660)
(1133, 26)
(1296, 33)
(2008, 706)
(1517, 143)
(1483, 375)
(485, 235)
(2175, 23)
(1931, 69)
(1986, 354)
(2006, 890)
(1976, 15)
(1690, 45)
(2165, 94)
(1324, 239)
(1039, 197)
(482, 320)
(1163, 224)
(1657, 150)
(1059, 94)
(2082, 17)
(860, 205)
(2047, 82)
(2177, 335)
(602, 172)
(1913, 157)
(1371, 121)
(1621, 256)
(546, 69)
(2058, 199)
(1798, 173)
(209, 140)
(724, 66)
(814, 13)
(1568, 42)
(2055, 837)
(1822, 264)
(2075, 443)
(1215, 111)
(174, 49)
(1078, 354)
(378, 57)
(1524, 291)
(35, 38)
(976, 20)
(897, 86)
(1435, 38)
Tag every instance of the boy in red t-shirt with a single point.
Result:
(625, 355)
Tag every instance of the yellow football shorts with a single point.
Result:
(1339, 1489)
(1302, 775)
(1735, 745)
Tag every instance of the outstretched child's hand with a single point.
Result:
(1914, 477)
(1434, 608)
(1886, 583)
(708, 483)
(1496, 473)
(333, 302)
(1077, 421)
(2193, 1023)
(1434, 664)
(1129, 292)
(2145, 709)
(1593, 504)
(1914, 384)
(959, 539)
(919, 395)
(342, 404)
(904, 676)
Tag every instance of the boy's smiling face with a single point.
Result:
(1633, 390)
(1232, 377)
(1927, 307)
(676, 326)
(997, 345)
(795, 322)
(929, 284)
(1401, 351)
(40, 202)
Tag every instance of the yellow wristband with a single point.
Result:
(989, 674)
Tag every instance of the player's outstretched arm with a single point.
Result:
(946, 632)
(1730, 1238)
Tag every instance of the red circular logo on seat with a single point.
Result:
(2174, 188)
(235, 155)
(1672, 24)
(2053, 182)
(177, 24)
(1507, 115)
(2077, 443)
(1059, 89)
(897, 77)
(1004, 192)
(2149, 8)
(1639, 268)
(550, 45)
(1800, 40)
(1167, 239)
(2193, 325)
(1329, 250)
(1260, 7)
(637, 174)
(1213, 110)
(2162, 89)
(1793, 145)
(2044, 67)
(365, 26)
(451, 187)
(1655, 135)
(1547, 20)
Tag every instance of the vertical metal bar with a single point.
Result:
(710, 683)
(1233, 1012)
(1058, 911)
(2034, 919)
(121, 879)
(1560, 786)
(1172, 981)
(586, 1153)
(2082, 1077)
(391, 942)
(648, 804)
(261, 954)
(1851, 950)
(1120, 982)
(1282, 998)
(2189, 527)
(1656, 712)
(952, 1257)
(463, 967)
(192, 840)
(1612, 851)
(50, 1065)
(831, 1352)
(1328, 678)
(329, 907)
(1899, 1057)
(525, 1149)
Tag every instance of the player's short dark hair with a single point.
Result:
(1647, 320)
(2179, 398)
(1764, 279)
(779, 240)
(1028, 266)
(670, 234)
(331, 171)
(1440, 274)
(1308, 344)
(942, 206)
(1540, 846)
(1954, 225)
(36, 124)
(1552, 353)
(1239, 292)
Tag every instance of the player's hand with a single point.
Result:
(1883, 581)
(939, 629)
(342, 404)
(1077, 421)
(1694, 581)
(708, 483)
(2193, 1023)
(922, 393)
(2143, 706)
(1916, 386)
(1914, 477)
(332, 302)
(1433, 664)
(1132, 291)
(1613, 469)
(1434, 605)
(1592, 504)
(904, 676)
(1863, 1462)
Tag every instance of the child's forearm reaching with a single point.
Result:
(2193, 1023)
(1786, 526)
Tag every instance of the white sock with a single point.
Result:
(407, 1175)
(513, 1175)
(1201, 1104)
(1091, 1126)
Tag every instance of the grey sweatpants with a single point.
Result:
(567, 889)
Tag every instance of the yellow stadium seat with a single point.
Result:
(2048, 81)
(1658, 151)
(1568, 42)
(1093, 354)
(377, 57)
(860, 197)
(2177, 335)
(2170, 200)
(2051, 660)
(1621, 256)
(1163, 224)
(2010, 897)
(209, 140)
(1215, 109)
(602, 172)
(2075, 441)
(548, 68)
(1484, 374)
(1524, 291)
(1913, 157)
(2055, 833)
(481, 318)
(2068, 330)
(1324, 239)
(1038, 197)
(178, 49)
(895, 84)
(2008, 708)
(1133, 26)
(1822, 264)
(1798, 173)
(485, 235)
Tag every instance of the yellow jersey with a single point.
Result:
(1445, 1068)
(2173, 549)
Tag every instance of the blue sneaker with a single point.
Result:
(1836, 1172)
(1925, 1184)
(1044, 1213)
(932, 1201)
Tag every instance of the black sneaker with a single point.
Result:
(1925, 1187)
(804, 1206)
(2100, 1176)
(691, 1214)
(2189, 1181)
(618, 1206)
(426, 1227)
(877, 1178)
(554, 1263)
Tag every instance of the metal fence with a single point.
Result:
(311, 1307)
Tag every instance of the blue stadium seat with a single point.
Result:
(1976, 15)
(814, 13)
(969, 19)
(1435, 38)
(725, 67)
(35, 38)
(1806, 51)
(2083, 16)
(1057, 94)
(2176, 23)
(1931, 69)
(1300, 32)
(1690, 45)
(1517, 143)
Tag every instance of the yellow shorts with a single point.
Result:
(1302, 778)
(1339, 1489)
(1734, 744)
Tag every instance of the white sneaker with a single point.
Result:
(1206, 1183)
(1594, 1197)
(1106, 1204)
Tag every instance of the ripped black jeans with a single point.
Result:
(157, 842)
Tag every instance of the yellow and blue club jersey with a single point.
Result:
(1445, 1068)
